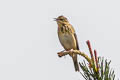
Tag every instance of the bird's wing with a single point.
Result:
(74, 36)
(76, 41)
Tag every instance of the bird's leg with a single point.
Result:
(71, 49)
(71, 54)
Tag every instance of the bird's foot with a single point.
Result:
(71, 53)
(71, 49)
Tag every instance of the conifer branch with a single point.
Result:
(96, 68)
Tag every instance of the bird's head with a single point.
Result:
(61, 20)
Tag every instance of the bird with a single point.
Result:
(67, 37)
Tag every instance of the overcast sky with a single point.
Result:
(29, 41)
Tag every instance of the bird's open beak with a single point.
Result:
(55, 19)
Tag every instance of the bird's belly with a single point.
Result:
(67, 41)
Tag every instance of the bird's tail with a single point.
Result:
(75, 62)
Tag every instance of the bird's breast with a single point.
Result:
(67, 41)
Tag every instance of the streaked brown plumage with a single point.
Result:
(67, 37)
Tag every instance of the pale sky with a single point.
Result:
(29, 41)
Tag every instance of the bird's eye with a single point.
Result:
(62, 19)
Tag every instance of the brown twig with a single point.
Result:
(92, 57)
(96, 59)
(60, 54)
(90, 49)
